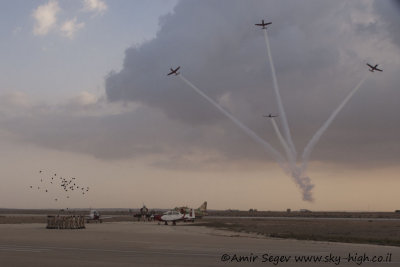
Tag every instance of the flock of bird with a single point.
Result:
(67, 185)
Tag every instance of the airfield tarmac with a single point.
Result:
(150, 244)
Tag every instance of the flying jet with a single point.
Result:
(174, 71)
(373, 68)
(270, 116)
(263, 24)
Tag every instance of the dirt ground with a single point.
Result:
(370, 231)
(365, 228)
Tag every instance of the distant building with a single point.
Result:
(288, 210)
(305, 210)
(231, 210)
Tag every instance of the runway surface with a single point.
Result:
(150, 244)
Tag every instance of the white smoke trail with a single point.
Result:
(285, 125)
(284, 144)
(308, 149)
(278, 157)
(303, 182)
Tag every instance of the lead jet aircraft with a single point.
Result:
(373, 68)
(263, 24)
(174, 71)
(271, 116)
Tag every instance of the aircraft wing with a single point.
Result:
(378, 69)
(370, 65)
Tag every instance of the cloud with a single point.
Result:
(14, 103)
(84, 99)
(389, 12)
(319, 49)
(87, 124)
(95, 6)
(70, 27)
(45, 17)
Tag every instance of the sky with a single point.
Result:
(84, 93)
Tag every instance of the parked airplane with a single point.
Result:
(263, 24)
(270, 116)
(174, 71)
(189, 217)
(95, 216)
(175, 216)
(200, 211)
(373, 68)
(144, 214)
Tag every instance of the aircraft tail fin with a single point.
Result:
(203, 206)
(193, 215)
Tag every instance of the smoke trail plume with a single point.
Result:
(286, 130)
(278, 157)
(284, 144)
(304, 183)
(308, 149)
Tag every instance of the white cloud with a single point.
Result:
(97, 6)
(83, 99)
(16, 99)
(46, 17)
(70, 27)
(14, 104)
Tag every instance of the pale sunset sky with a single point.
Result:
(84, 93)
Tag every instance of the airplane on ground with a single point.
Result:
(144, 214)
(175, 216)
(200, 211)
(174, 71)
(95, 216)
(373, 68)
(189, 217)
(263, 24)
(270, 116)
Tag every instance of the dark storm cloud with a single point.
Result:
(389, 12)
(319, 48)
